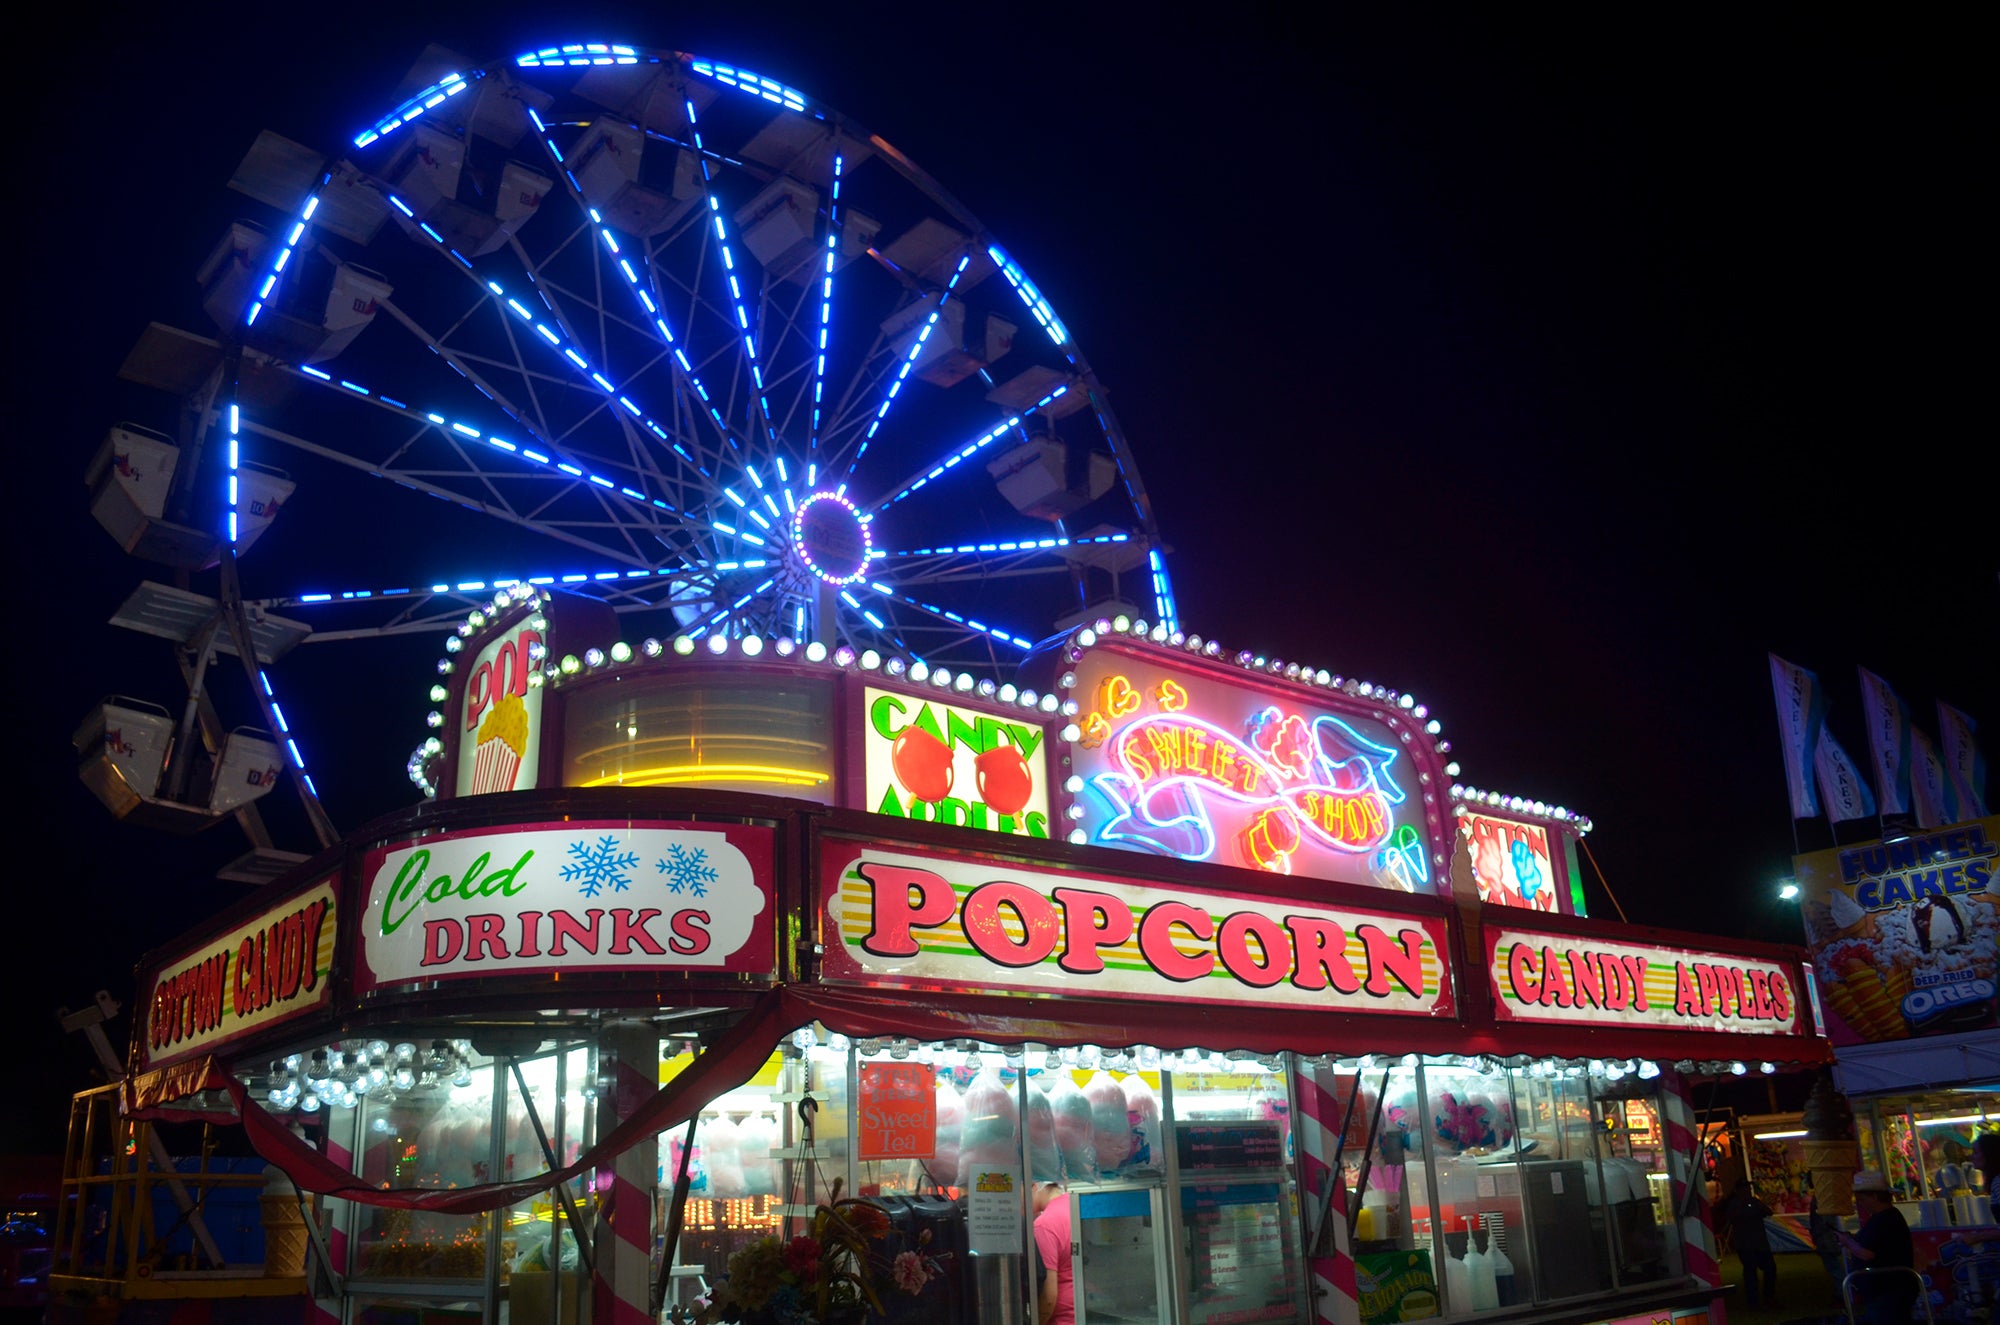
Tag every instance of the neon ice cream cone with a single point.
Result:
(503, 738)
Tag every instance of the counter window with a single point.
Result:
(1493, 1187)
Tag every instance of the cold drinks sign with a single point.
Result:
(618, 895)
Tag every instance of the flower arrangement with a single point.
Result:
(831, 1274)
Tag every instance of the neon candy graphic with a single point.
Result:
(1095, 731)
(1525, 868)
(1271, 839)
(1171, 696)
(1171, 763)
(1116, 698)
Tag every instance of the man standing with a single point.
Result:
(1746, 1215)
(1057, 1298)
(1887, 1295)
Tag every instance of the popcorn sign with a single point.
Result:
(500, 726)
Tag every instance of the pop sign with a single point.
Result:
(500, 723)
(575, 896)
(944, 764)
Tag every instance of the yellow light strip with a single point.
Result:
(669, 774)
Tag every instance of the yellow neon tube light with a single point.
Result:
(669, 774)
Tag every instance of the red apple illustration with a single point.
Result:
(1004, 780)
(922, 763)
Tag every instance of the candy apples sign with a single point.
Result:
(904, 917)
(1539, 976)
(500, 718)
(571, 897)
(949, 765)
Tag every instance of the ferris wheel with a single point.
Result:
(707, 347)
(677, 337)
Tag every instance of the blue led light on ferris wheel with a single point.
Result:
(825, 307)
(1037, 306)
(971, 448)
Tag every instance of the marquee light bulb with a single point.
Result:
(752, 645)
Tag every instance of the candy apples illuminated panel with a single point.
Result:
(500, 714)
(1575, 981)
(1200, 761)
(898, 916)
(589, 897)
(1511, 862)
(945, 764)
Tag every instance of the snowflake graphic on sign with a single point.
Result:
(688, 871)
(599, 866)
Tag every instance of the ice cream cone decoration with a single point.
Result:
(1869, 1006)
(503, 737)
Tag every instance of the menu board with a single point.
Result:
(1244, 1145)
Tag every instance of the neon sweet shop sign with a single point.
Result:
(1180, 763)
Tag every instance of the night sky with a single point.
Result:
(1551, 373)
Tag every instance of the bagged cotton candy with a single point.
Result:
(1461, 1121)
(1142, 1114)
(725, 1165)
(1076, 1130)
(1111, 1131)
(1499, 1116)
(697, 1169)
(991, 1130)
(950, 1129)
(1044, 1159)
(756, 1137)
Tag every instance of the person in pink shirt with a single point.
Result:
(1057, 1304)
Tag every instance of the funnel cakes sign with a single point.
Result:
(1903, 933)
(902, 917)
(1183, 759)
(575, 896)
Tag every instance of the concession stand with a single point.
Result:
(1901, 932)
(690, 934)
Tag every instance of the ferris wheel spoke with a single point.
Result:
(909, 361)
(958, 455)
(823, 332)
(564, 342)
(734, 280)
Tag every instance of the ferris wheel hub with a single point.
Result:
(831, 537)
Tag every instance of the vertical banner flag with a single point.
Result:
(1801, 712)
(1935, 802)
(1841, 785)
(1963, 763)
(1888, 742)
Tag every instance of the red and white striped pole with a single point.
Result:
(628, 1059)
(343, 1133)
(1316, 1129)
(1684, 1169)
